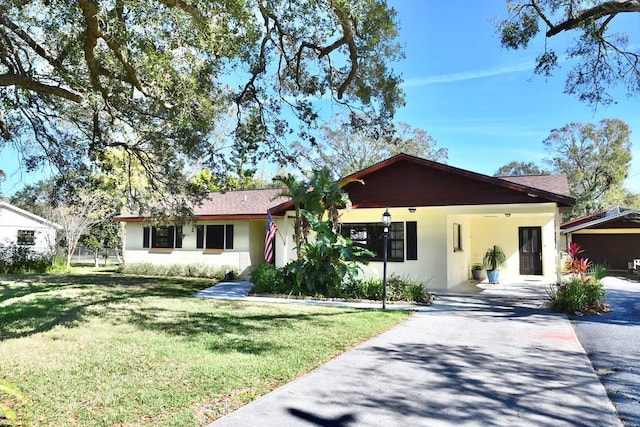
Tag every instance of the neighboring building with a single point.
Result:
(443, 220)
(22, 228)
(610, 237)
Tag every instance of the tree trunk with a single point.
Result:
(69, 255)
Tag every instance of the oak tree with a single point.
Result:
(344, 150)
(518, 168)
(603, 57)
(151, 78)
(595, 158)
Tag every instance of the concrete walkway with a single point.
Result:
(487, 357)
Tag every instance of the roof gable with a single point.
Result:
(26, 214)
(405, 180)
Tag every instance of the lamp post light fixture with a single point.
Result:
(386, 222)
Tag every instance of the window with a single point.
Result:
(215, 237)
(207, 237)
(26, 237)
(371, 236)
(162, 237)
(457, 239)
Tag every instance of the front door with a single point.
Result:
(530, 250)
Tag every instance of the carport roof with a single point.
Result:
(601, 218)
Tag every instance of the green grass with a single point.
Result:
(92, 349)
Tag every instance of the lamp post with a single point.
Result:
(386, 222)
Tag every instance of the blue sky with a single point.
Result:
(478, 100)
(483, 102)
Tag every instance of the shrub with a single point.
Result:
(599, 271)
(398, 289)
(582, 291)
(417, 292)
(177, 270)
(22, 259)
(371, 289)
(575, 296)
(267, 279)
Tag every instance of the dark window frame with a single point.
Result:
(411, 230)
(457, 237)
(26, 237)
(214, 237)
(371, 236)
(163, 237)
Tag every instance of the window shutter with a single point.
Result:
(145, 237)
(199, 236)
(178, 236)
(171, 236)
(412, 240)
(228, 236)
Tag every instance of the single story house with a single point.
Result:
(229, 230)
(22, 228)
(610, 237)
(443, 220)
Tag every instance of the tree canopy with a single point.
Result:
(603, 58)
(152, 78)
(345, 150)
(596, 160)
(520, 168)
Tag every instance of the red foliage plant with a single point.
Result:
(578, 266)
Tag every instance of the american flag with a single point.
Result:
(269, 239)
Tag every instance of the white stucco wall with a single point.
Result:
(12, 220)
(248, 247)
(480, 226)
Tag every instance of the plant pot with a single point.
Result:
(493, 276)
(477, 274)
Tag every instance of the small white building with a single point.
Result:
(22, 228)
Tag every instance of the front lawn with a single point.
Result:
(105, 349)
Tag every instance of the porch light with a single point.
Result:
(412, 210)
(386, 219)
(386, 222)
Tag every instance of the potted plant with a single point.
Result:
(476, 271)
(494, 258)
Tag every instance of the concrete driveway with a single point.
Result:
(612, 342)
(496, 358)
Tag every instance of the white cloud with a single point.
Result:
(468, 75)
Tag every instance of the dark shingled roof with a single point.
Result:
(240, 204)
(557, 184)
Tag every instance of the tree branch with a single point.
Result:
(607, 8)
(90, 10)
(25, 82)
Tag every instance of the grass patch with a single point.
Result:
(106, 349)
